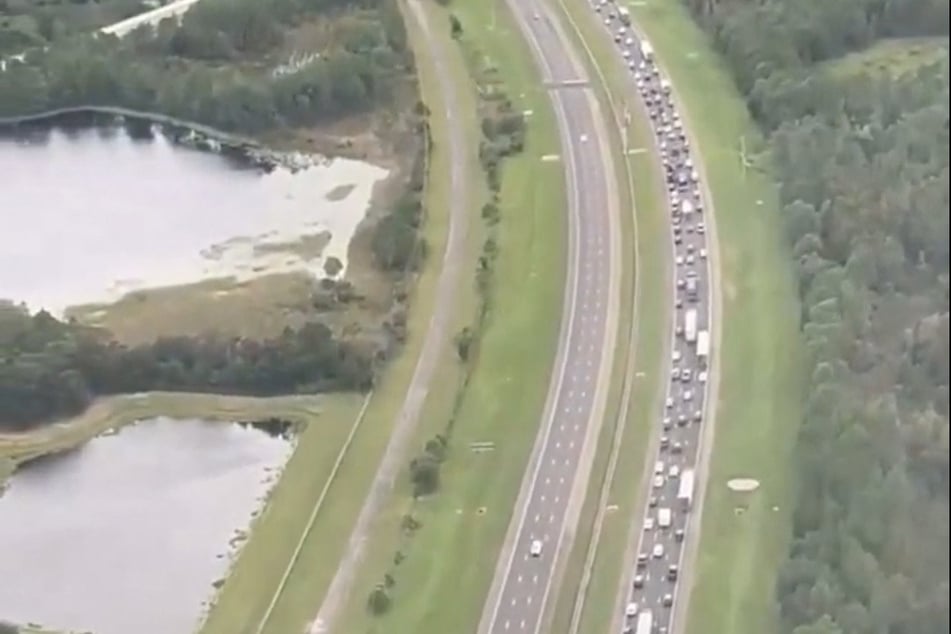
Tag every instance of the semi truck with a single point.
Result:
(625, 15)
(645, 623)
(685, 492)
(664, 517)
(690, 325)
(703, 347)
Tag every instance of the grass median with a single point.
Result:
(441, 584)
(744, 536)
(245, 597)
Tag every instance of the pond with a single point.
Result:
(92, 214)
(129, 532)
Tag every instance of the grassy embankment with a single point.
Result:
(744, 536)
(647, 218)
(242, 603)
(440, 585)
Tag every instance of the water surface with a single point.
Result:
(90, 215)
(127, 533)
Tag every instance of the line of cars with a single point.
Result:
(651, 588)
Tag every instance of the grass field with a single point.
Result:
(241, 603)
(892, 57)
(650, 343)
(441, 585)
(743, 538)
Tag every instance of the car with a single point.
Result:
(675, 357)
(631, 64)
(679, 534)
(535, 550)
(664, 442)
(688, 395)
(658, 551)
(670, 402)
(675, 374)
(622, 31)
(641, 560)
(535, 16)
(677, 238)
(701, 229)
(667, 601)
(679, 331)
(702, 377)
(631, 609)
(682, 420)
(686, 375)
(697, 416)
(658, 481)
(666, 422)
(626, 53)
(652, 501)
(676, 448)
(638, 581)
(674, 471)
(629, 41)
(703, 254)
(658, 467)
(672, 572)
(689, 249)
(649, 524)
(617, 38)
(690, 259)
(679, 260)
(679, 302)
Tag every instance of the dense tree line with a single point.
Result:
(218, 66)
(50, 368)
(862, 163)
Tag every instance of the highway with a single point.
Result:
(555, 480)
(654, 570)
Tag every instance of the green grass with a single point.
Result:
(759, 402)
(650, 342)
(891, 57)
(327, 540)
(441, 585)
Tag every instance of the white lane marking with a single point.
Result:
(535, 579)
(519, 579)
(551, 518)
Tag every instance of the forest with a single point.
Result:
(862, 165)
(50, 368)
(225, 66)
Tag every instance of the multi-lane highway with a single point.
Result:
(651, 580)
(554, 484)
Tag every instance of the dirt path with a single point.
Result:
(437, 335)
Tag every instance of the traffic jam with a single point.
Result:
(653, 583)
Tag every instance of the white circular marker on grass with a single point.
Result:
(743, 485)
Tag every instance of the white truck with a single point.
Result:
(647, 51)
(703, 347)
(664, 517)
(685, 492)
(625, 15)
(645, 623)
(690, 325)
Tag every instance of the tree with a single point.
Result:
(379, 600)
(455, 26)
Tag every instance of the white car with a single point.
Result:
(536, 548)
(670, 402)
(674, 472)
(658, 551)
(688, 395)
(675, 357)
(658, 481)
(690, 259)
(631, 609)
(703, 254)
(658, 467)
(626, 53)
(702, 377)
(680, 260)
(649, 524)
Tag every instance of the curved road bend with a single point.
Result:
(556, 479)
(437, 335)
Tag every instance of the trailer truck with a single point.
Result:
(645, 623)
(703, 347)
(690, 325)
(685, 492)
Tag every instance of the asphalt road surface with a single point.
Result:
(651, 582)
(549, 502)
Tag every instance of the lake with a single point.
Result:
(89, 215)
(128, 532)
